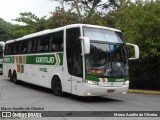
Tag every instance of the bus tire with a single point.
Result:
(14, 77)
(57, 87)
(10, 76)
(9, 73)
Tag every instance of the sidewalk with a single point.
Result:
(144, 91)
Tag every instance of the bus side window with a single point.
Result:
(34, 45)
(57, 42)
(50, 43)
(8, 52)
(1, 54)
(12, 50)
(23, 47)
(15, 48)
(29, 44)
(43, 44)
(6, 49)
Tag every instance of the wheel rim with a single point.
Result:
(11, 78)
(58, 86)
(14, 80)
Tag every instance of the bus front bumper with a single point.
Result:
(95, 90)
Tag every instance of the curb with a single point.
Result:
(144, 91)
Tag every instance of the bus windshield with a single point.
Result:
(103, 35)
(107, 60)
(107, 56)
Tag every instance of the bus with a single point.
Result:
(80, 59)
(1, 56)
(1, 61)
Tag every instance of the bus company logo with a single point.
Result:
(44, 59)
(8, 60)
(6, 115)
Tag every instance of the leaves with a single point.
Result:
(141, 23)
(5, 30)
(61, 17)
(32, 24)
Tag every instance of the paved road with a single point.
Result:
(26, 95)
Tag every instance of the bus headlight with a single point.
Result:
(126, 82)
(92, 82)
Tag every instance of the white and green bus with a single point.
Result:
(1, 56)
(1, 61)
(81, 59)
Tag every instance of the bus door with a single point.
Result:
(74, 60)
(77, 69)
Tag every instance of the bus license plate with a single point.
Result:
(110, 91)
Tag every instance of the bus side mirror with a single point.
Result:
(136, 51)
(85, 42)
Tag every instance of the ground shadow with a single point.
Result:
(33, 87)
(90, 99)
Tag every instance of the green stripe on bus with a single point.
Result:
(118, 79)
(20, 59)
(49, 59)
(90, 77)
(126, 78)
(52, 59)
(22, 68)
(61, 59)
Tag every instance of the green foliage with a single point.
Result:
(5, 30)
(141, 24)
(61, 17)
(89, 8)
(32, 24)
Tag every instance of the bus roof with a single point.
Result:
(48, 31)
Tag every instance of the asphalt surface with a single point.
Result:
(25, 95)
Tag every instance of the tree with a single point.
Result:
(140, 22)
(88, 8)
(32, 24)
(5, 32)
(61, 17)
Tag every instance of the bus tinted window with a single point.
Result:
(1, 54)
(43, 44)
(56, 42)
(73, 49)
(13, 48)
(30, 45)
(6, 49)
(23, 47)
(47, 43)
(34, 45)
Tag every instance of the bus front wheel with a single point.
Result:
(57, 87)
(14, 77)
(10, 76)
